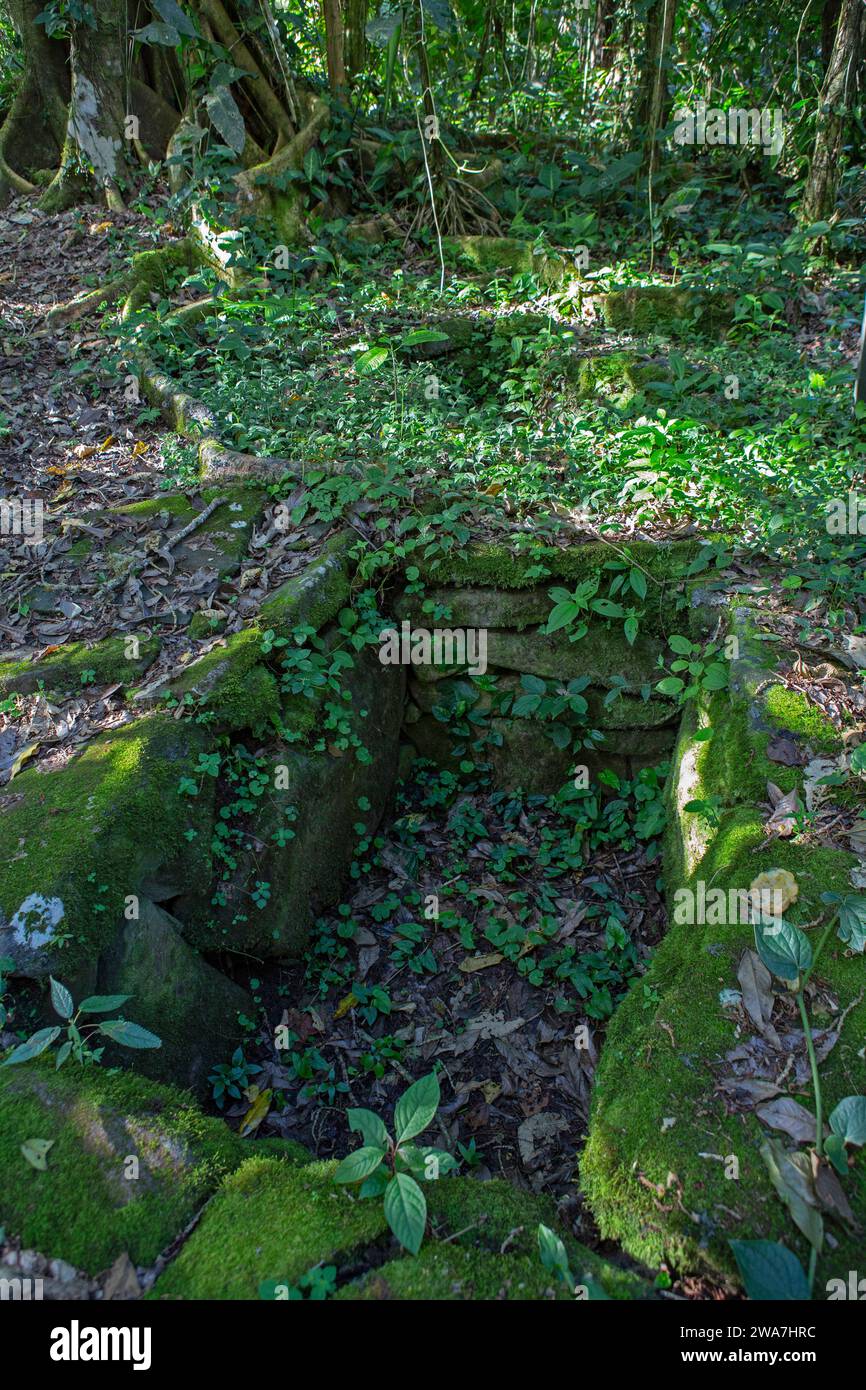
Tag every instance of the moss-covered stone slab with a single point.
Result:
(77, 842)
(667, 310)
(75, 666)
(323, 798)
(219, 543)
(475, 607)
(492, 565)
(314, 597)
(270, 1223)
(603, 656)
(623, 374)
(175, 993)
(231, 682)
(131, 1162)
(509, 255)
(661, 1132)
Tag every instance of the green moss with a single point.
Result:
(788, 709)
(502, 567)
(510, 255)
(658, 1063)
(201, 625)
(644, 309)
(90, 833)
(88, 1207)
(62, 671)
(269, 1221)
(233, 684)
(274, 1222)
(315, 597)
(624, 372)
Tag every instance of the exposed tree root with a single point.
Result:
(461, 211)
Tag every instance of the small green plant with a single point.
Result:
(694, 670)
(316, 1285)
(232, 1078)
(554, 1257)
(7, 965)
(79, 1035)
(769, 1269)
(392, 1167)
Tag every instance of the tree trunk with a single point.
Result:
(838, 93)
(653, 97)
(31, 137)
(95, 134)
(334, 48)
(602, 53)
(355, 29)
(829, 21)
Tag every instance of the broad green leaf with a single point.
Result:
(785, 950)
(671, 685)
(715, 677)
(32, 1047)
(129, 1034)
(416, 1107)
(770, 1271)
(368, 1124)
(681, 645)
(61, 999)
(852, 921)
(848, 1120)
(561, 615)
(375, 1185)
(164, 34)
(174, 15)
(223, 111)
(423, 335)
(103, 1003)
(370, 360)
(406, 1211)
(834, 1148)
(62, 1055)
(359, 1165)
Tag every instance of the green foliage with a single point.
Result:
(231, 1079)
(80, 1033)
(769, 1269)
(392, 1168)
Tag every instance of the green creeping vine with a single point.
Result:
(769, 1269)
(79, 1035)
(390, 1167)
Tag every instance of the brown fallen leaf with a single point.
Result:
(783, 748)
(830, 1191)
(790, 1117)
(473, 963)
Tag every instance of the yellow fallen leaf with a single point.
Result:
(490, 1090)
(83, 451)
(472, 963)
(493, 490)
(777, 888)
(139, 447)
(97, 227)
(256, 1113)
(346, 1003)
(21, 757)
(107, 443)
